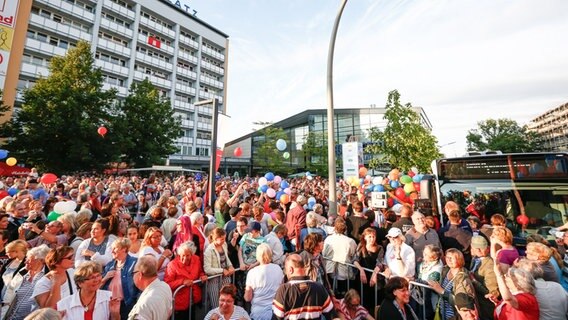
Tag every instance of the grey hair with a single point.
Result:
(44, 314)
(194, 216)
(316, 207)
(189, 246)
(70, 219)
(523, 280)
(38, 252)
(531, 267)
(264, 253)
(122, 243)
(311, 220)
(84, 215)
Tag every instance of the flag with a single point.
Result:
(154, 42)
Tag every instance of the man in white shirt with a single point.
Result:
(155, 301)
(274, 240)
(339, 249)
(399, 256)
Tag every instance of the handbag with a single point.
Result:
(437, 313)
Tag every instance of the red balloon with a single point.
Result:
(416, 186)
(399, 193)
(390, 202)
(102, 131)
(523, 220)
(48, 178)
(238, 152)
(411, 173)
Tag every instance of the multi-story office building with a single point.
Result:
(553, 128)
(162, 40)
(351, 124)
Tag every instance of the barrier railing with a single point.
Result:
(423, 287)
(178, 289)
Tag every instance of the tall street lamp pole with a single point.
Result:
(330, 119)
(211, 181)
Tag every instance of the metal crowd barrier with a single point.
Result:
(422, 287)
(198, 281)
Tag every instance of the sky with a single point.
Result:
(462, 61)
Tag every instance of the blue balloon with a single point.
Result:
(379, 188)
(279, 194)
(12, 191)
(308, 174)
(198, 177)
(416, 178)
(3, 153)
(281, 144)
(394, 184)
(312, 200)
(264, 188)
(284, 184)
(269, 176)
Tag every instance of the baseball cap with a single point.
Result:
(479, 242)
(464, 301)
(255, 226)
(397, 208)
(394, 232)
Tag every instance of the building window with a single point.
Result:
(201, 151)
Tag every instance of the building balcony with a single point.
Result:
(186, 106)
(212, 53)
(206, 95)
(184, 140)
(123, 11)
(212, 82)
(70, 9)
(163, 83)
(121, 91)
(33, 70)
(112, 68)
(154, 61)
(185, 123)
(59, 28)
(205, 110)
(203, 142)
(187, 57)
(211, 67)
(182, 88)
(154, 26)
(186, 40)
(163, 47)
(186, 73)
(204, 126)
(114, 47)
(117, 28)
(44, 48)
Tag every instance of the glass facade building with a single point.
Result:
(350, 125)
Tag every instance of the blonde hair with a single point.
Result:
(503, 234)
(541, 250)
(17, 245)
(148, 235)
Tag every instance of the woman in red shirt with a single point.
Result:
(520, 305)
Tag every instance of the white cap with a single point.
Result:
(394, 233)
(397, 208)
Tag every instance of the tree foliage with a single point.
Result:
(504, 135)
(56, 128)
(267, 157)
(404, 142)
(147, 126)
(314, 150)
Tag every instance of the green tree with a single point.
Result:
(267, 157)
(56, 127)
(147, 125)
(504, 135)
(314, 150)
(4, 109)
(404, 142)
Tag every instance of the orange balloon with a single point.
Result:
(362, 172)
(11, 161)
(284, 199)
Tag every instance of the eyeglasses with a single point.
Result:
(95, 277)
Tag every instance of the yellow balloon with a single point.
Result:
(11, 161)
(408, 188)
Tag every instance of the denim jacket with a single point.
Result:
(129, 290)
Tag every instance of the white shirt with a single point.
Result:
(155, 303)
(101, 259)
(44, 285)
(340, 248)
(264, 280)
(150, 251)
(277, 248)
(552, 300)
(74, 310)
(404, 267)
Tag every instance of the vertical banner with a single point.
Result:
(8, 14)
(218, 159)
(350, 160)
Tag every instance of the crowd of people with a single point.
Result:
(119, 247)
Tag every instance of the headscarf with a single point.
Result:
(185, 234)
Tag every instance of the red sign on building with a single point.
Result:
(154, 42)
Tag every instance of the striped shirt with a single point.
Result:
(238, 314)
(302, 298)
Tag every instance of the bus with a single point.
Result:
(530, 184)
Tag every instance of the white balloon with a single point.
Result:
(70, 206)
(262, 181)
(60, 207)
(377, 180)
(414, 169)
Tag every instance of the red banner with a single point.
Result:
(7, 171)
(218, 159)
(154, 42)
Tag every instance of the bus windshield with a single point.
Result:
(544, 202)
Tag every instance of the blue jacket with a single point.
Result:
(129, 290)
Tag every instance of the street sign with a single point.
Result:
(379, 199)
